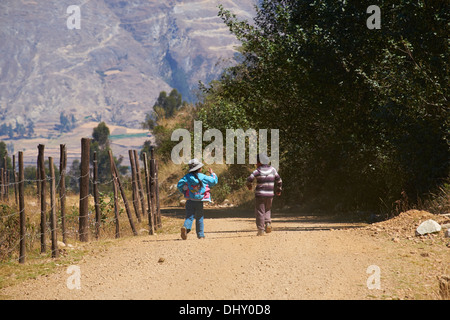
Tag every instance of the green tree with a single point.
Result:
(363, 114)
(73, 176)
(101, 145)
(164, 107)
(100, 135)
(3, 153)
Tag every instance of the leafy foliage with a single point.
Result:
(101, 145)
(164, 107)
(363, 114)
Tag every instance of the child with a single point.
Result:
(267, 179)
(196, 189)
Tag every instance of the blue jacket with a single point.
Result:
(192, 189)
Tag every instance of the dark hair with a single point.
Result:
(195, 173)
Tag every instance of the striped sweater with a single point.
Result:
(268, 181)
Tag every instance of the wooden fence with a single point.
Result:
(145, 202)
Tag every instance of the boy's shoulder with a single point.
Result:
(265, 168)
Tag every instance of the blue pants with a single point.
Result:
(194, 209)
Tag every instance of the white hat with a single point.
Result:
(194, 165)
(263, 158)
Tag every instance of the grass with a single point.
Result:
(36, 264)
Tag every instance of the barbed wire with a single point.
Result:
(139, 196)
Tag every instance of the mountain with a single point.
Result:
(113, 67)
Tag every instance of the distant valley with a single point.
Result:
(111, 69)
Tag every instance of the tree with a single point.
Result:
(101, 135)
(101, 144)
(363, 114)
(66, 123)
(3, 153)
(164, 107)
(30, 128)
(74, 176)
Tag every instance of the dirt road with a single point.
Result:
(305, 257)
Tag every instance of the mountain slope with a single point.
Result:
(114, 66)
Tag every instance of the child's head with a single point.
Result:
(261, 159)
(194, 166)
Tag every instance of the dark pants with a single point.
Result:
(262, 211)
(194, 209)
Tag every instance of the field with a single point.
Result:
(122, 139)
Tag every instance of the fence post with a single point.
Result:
(62, 188)
(5, 176)
(42, 179)
(158, 207)
(122, 191)
(22, 209)
(152, 188)
(147, 187)
(155, 188)
(140, 193)
(116, 205)
(53, 225)
(38, 181)
(96, 198)
(15, 179)
(134, 185)
(2, 186)
(7, 184)
(84, 190)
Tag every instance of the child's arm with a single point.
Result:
(251, 178)
(182, 185)
(278, 184)
(212, 179)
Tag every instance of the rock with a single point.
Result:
(61, 244)
(426, 227)
(143, 230)
(161, 260)
(182, 203)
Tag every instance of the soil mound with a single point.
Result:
(406, 223)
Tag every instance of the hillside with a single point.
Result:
(114, 66)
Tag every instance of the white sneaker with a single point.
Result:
(260, 232)
(268, 227)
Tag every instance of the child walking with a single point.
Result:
(268, 183)
(196, 189)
